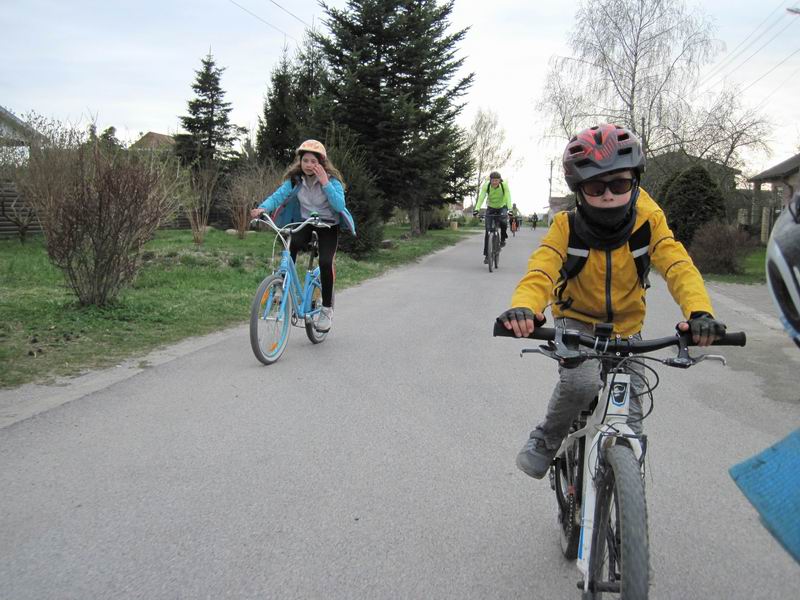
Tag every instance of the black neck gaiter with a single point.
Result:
(605, 228)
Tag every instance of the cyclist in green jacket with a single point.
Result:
(497, 207)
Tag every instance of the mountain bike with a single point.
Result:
(281, 300)
(598, 472)
(493, 243)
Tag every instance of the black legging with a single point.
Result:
(328, 242)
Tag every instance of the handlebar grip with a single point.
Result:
(540, 333)
(737, 338)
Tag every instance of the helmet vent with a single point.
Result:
(583, 162)
(622, 137)
(625, 150)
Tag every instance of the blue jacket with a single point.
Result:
(284, 206)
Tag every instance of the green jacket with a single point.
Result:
(498, 197)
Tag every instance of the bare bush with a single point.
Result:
(98, 206)
(248, 187)
(720, 248)
(197, 187)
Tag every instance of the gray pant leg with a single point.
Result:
(575, 390)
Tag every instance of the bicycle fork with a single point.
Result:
(609, 423)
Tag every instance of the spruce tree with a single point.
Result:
(693, 200)
(392, 63)
(210, 132)
(277, 136)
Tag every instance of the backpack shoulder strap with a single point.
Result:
(577, 254)
(639, 245)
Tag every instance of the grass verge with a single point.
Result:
(753, 270)
(181, 291)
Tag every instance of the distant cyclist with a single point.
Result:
(497, 207)
(513, 218)
(534, 221)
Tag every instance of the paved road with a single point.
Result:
(379, 464)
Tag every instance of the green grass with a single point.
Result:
(753, 270)
(181, 291)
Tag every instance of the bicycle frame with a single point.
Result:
(609, 420)
(301, 295)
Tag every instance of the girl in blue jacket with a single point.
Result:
(312, 184)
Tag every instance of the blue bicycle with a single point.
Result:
(281, 301)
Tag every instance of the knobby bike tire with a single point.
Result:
(269, 326)
(490, 252)
(619, 565)
(316, 337)
(566, 473)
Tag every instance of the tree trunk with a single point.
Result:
(414, 217)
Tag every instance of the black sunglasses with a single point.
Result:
(598, 188)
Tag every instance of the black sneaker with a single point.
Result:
(486, 260)
(502, 244)
(535, 458)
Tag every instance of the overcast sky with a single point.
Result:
(131, 64)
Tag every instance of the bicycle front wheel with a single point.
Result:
(619, 565)
(490, 252)
(496, 253)
(316, 337)
(270, 319)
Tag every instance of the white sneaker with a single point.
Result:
(324, 319)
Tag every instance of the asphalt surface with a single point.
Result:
(379, 464)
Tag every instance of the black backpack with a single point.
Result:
(578, 254)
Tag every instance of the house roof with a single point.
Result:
(154, 141)
(680, 155)
(780, 171)
(14, 131)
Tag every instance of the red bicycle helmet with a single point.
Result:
(599, 150)
(783, 267)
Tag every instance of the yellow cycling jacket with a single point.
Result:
(607, 289)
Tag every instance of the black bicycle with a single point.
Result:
(493, 242)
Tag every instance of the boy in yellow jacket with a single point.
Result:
(602, 165)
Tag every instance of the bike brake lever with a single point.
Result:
(718, 357)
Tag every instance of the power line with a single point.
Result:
(289, 13)
(262, 20)
(770, 71)
(734, 54)
(745, 61)
(775, 91)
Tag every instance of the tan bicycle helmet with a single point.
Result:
(313, 146)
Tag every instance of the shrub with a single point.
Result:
(248, 187)
(362, 197)
(720, 248)
(98, 206)
(692, 200)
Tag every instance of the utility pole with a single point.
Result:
(550, 184)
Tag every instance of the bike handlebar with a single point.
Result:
(621, 345)
(314, 219)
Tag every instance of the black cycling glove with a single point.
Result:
(702, 324)
(520, 314)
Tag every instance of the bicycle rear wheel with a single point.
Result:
(270, 319)
(316, 337)
(620, 557)
(566, 475)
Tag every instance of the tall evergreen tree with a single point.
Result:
(692, 200)
(210, 132)
(309, 76)
(391, 65)
(277, 134)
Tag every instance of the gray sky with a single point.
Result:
(131, 64)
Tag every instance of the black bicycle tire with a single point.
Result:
(621, 481)
(490, 251)
(569, 534)
(316, 337)
(255, 311)
(496, 251)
